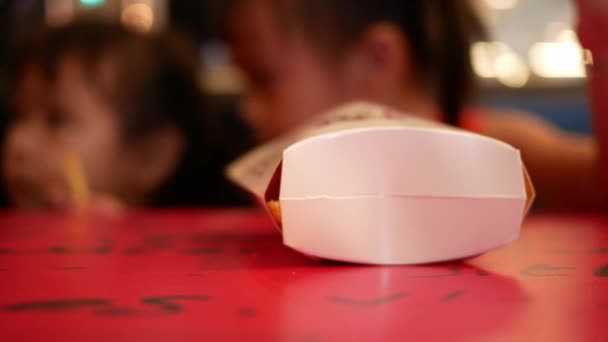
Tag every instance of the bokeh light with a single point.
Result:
(498, 60)
(92, 3)
(138, 16)
(501, 4)
(562, 58)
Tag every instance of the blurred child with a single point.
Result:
(124, 110)
(302, 57)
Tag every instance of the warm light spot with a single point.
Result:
(498, 60)
(511, 70)
(557, 60)
(138, 16)
(501, 4)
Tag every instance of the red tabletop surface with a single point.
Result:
(225, 276)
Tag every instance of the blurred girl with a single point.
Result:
(302, 57)
(123, 112)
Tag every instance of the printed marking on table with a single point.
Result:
(59, 304)
(544, 270)
(451, 296)
(169, 303)
(367, 303)
(602, 271)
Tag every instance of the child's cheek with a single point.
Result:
(100, 169)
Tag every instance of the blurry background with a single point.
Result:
(532, 61)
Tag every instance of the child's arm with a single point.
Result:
(568, 170)
(563, 166)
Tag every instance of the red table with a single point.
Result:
(224, 275)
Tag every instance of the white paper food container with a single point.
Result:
(366, 184)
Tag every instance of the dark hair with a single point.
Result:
(440, 33)
(157, 87)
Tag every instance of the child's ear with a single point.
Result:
(379, 63)
(155, 159)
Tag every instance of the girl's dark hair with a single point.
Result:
(439, 32)
(156, 87)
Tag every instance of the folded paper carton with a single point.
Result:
(366, 184)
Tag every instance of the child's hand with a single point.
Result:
(104, 205)
(97, 204)
(592, 26)
(68, 189)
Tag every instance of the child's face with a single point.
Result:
(288, 80)
(53, 119)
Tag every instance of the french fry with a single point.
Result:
(76, 180)
(275, 210)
